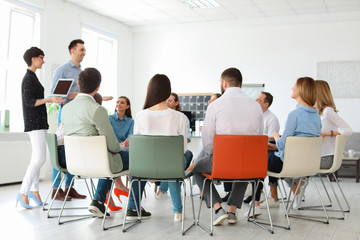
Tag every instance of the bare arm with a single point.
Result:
(46, 100)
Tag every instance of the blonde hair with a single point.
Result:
(324, 97)
(307, 90)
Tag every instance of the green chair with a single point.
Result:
(157, 158)
(51, 140)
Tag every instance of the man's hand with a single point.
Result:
(107, 98)
(272, 147)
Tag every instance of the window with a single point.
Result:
(20, 30)
(101, 53)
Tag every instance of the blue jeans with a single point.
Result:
(175, 191)
(104, 185)
(188, 156)
(62, 163)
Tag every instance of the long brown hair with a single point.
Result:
(307, 90)
(324, 97)
(158, 90)
(127, 111)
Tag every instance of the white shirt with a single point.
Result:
(164, 122)
(330, 120)
(234, 113)
(271, 123)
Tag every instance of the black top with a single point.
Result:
(35, 118)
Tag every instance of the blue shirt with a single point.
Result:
(123, 128)
(66, 71)
(301, 122)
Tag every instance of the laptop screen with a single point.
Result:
(62, 87)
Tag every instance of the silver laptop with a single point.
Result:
(62, 87)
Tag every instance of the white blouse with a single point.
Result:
(164, 122)
(330, 120)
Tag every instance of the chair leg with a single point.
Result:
(314, 218)
(51, 189)
(342, 193)
(252, 207)
(107, 207)
(81, 217)
(211, 213)
(131, 190)
(326, 191)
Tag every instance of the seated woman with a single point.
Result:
(332, 123)
(304, 121)
(158, 119)
(173, 103)
(123, 126)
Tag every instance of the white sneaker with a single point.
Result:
(161, 195)
(262, 198)
(272, 203)
(257, 212)
(297, 202)
(177, 217)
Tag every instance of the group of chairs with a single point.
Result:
(160, 158)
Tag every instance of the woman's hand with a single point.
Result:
(57, 100)
(107, 98)
(126, 143)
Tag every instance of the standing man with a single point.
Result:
(70, 70)
(233, 114)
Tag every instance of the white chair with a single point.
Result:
(87, 157)
(340, 143)
(301, 159)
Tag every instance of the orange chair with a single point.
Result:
(247, 157)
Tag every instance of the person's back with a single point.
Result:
(234, 113)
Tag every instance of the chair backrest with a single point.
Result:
(87, 156)
(156, 157)
(340, 143)
(240, 156)
(53, 151)
(302, 156)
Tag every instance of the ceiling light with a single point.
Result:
(201, 3)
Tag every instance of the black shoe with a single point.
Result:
(248, 199)
(98, 209)
(133, 215)
(224, 199)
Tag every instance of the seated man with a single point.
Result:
(233, 114)
(84, 117)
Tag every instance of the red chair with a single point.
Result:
(247, 156)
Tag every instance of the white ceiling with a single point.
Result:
(136, 13)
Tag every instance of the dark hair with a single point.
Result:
(176, 99)
(268, 98)
(158, 90)
(98, 98)
(128, 111)
(233, 77)
(74, 43)
(307, 90)
(30, 53)
(89, 80)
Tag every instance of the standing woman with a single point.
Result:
(158, 119)
(332, 123)
(35, 120)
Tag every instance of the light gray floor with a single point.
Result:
(18, 223)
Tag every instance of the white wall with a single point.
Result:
(193, 57)
(61, 22)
